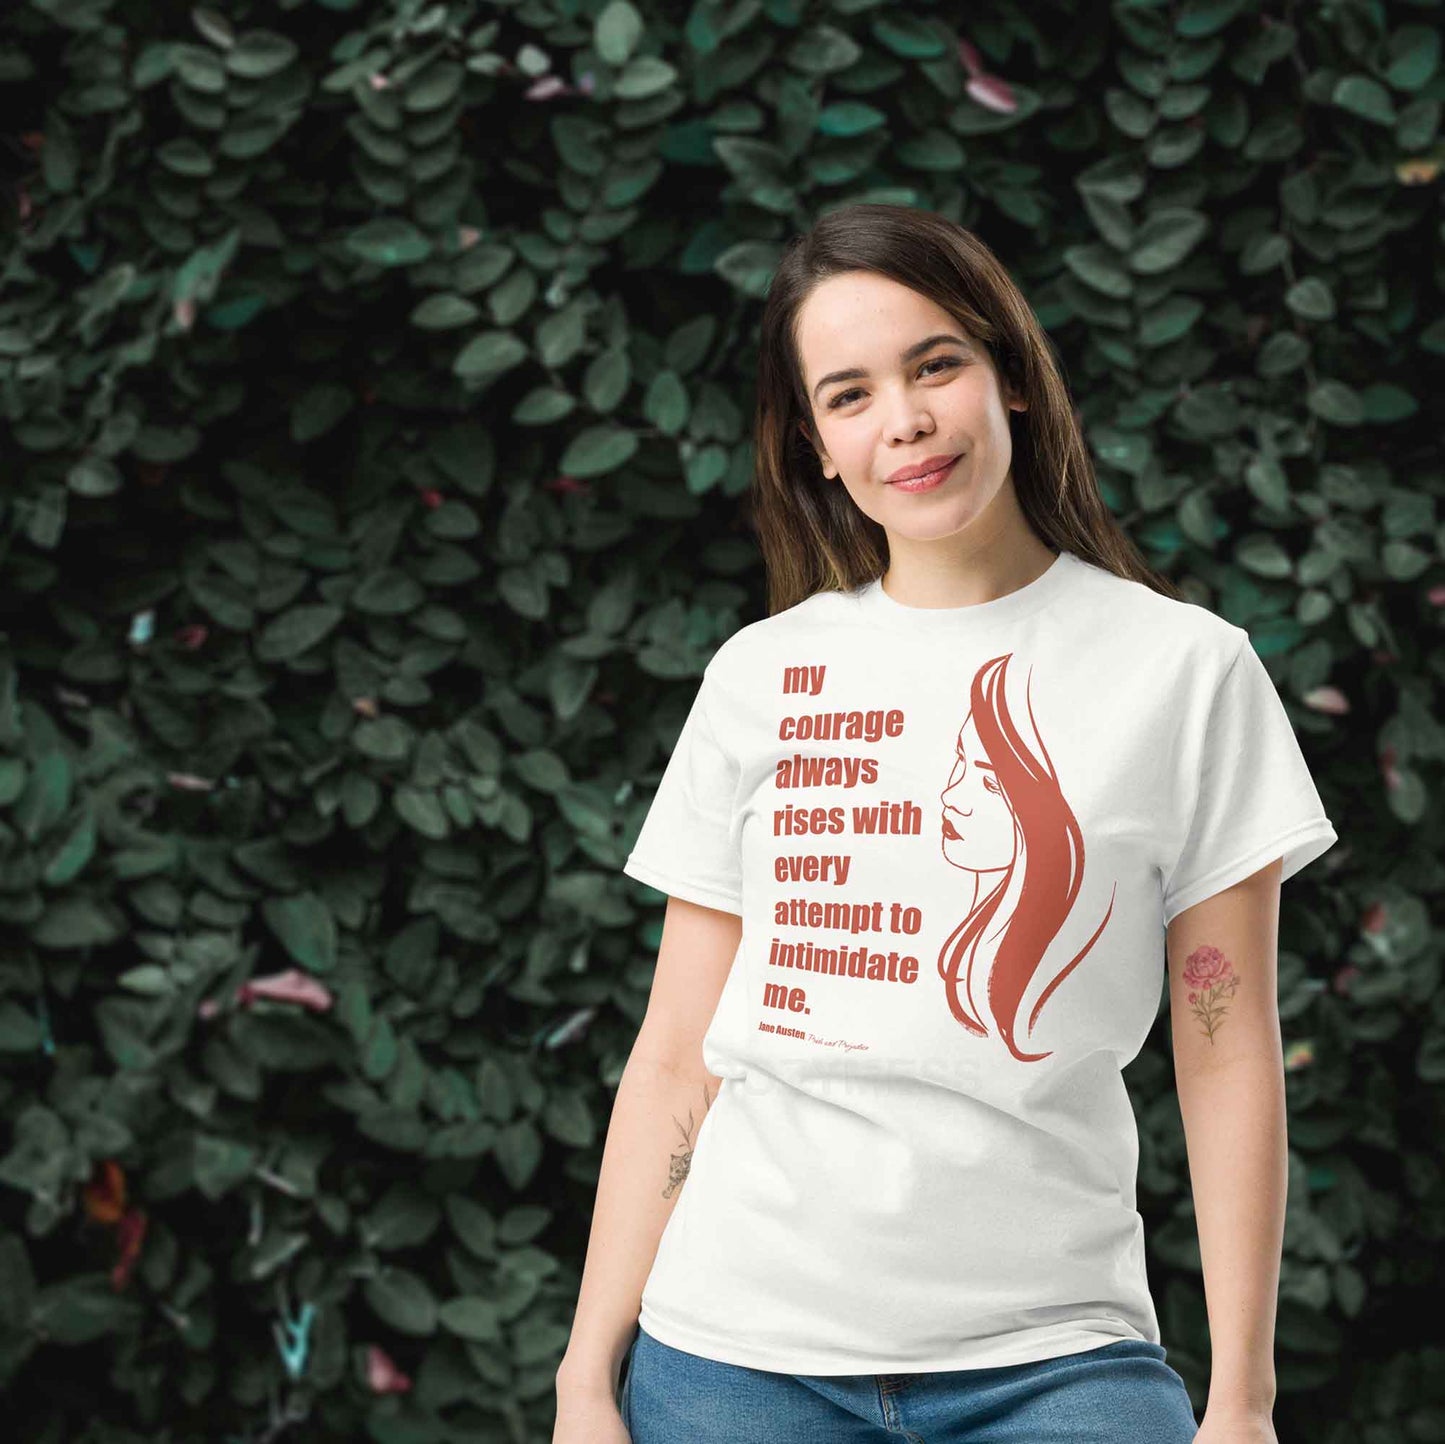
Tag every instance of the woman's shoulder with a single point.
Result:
(1135, 612)
(773, 635)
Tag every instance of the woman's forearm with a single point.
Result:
(659, 1108)
(1235, 1131)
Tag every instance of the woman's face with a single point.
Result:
(977, 823)
(942, 401)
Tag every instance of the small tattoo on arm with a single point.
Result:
(1211, 980)
(681, 1162)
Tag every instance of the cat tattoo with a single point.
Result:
(1211, 980)
(680, 1163)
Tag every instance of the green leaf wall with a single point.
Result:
(375, 384)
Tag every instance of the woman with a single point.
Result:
(871, 1167)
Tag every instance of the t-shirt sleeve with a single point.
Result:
(686, 847)
(1253, 798)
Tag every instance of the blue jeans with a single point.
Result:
(1119, 1393)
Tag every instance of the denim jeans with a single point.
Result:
(1119, 1393)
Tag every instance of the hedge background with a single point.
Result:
(376, 383)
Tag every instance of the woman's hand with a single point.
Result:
(588, 1416)
(1234, 1425)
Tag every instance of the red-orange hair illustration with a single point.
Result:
(1042, 880)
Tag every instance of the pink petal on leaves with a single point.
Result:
(992, 93)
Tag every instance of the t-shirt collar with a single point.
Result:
(874, 602)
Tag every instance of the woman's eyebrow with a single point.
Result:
(858, 372)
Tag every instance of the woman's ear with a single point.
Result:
(807, 436)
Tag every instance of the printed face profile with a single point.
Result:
(1007, 826)
(978, 827)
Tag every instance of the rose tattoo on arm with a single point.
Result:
(1212, 981)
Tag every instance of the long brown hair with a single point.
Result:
(812, 535)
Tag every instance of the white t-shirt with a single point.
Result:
(955, 837)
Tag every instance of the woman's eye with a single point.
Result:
(842, 398)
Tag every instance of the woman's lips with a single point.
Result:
(927, 482)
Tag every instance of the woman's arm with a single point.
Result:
(1229, 1070)
(662, 1098)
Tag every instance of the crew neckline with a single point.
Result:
(873, 601)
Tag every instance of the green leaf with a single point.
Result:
(1282, 353)
(69, 859)
(1172, 318)
(19, 1030)
(909, 36)
(389, 241)
(411, 954)
(403, 1217)
(360, 797)
(17, 1284)
(1165, 239)
(305, 927)
(1263, 555)
(597, 450)
(260, 53)
(1336, 402)
(1385, 402)
(1414, 56)
(388, 593)
(422, 811)
(454, 521)
(823, 49)
(443, 312)
(749, 266)
(1198, 18)
(318, 409)
(616, 31)
(568, 1119)
(473, 1225)
(644, 76)
(199, 69)
(221, 1163)
(434, 87)
(1311, 298)
(150, 980)
(124, 1024)
(471, 1317)
(296, 631)
(850, 117)
(1404, 561)
(1364, 96)
(379, 1053)
(932, 150)
(518, 1151)
(93, 476)
(1129, 114)
(1100, 267)
(401, 1299)
(543, 405)
(1265, 477)
(388, 739)
(1198, 519)
(76, 922)
(83, 1308)
(488, 355)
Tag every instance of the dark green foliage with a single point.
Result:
(376, 379)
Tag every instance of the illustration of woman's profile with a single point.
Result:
(1006, 822)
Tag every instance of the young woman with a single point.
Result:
(934, 833)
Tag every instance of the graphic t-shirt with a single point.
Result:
(955, 838)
